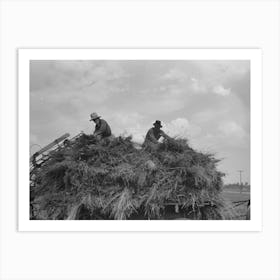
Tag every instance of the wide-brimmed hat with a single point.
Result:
(158, 123)
(94, 116)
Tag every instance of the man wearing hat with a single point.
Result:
(153, 135)
(102, 129)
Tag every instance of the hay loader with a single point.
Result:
(44, 154)
(39, 157)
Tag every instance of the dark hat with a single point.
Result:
(94, 116)
(157, 122)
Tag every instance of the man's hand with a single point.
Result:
(164, 135)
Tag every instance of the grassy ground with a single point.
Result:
(235, 195)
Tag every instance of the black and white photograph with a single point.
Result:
(140, 139)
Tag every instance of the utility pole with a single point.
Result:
(240, 176)
(240, 179)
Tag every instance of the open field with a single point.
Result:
(234, 196)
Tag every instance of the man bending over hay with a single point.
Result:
(102, 129)
(153, 135)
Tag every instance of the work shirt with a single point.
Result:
(103, 129)
(153, 136)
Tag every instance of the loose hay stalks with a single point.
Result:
(123, 206)
(112, 179)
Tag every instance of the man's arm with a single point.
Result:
(151, 137)
(164, 135)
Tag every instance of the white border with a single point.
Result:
(254, 55)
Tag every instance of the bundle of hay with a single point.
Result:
(112, 179)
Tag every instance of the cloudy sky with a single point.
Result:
(207, 102)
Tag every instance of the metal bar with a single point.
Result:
(52, 144)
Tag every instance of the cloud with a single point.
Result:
(137, 125)
(73, 74)
(210, 115)
(220, 90)
(175, 75)
(181, 127)
(229, 128)
(205, 87)
(128, 124)
(226, 136)
(240, 86)
(198, 86)
(221, 77)
(161, 100)
(217, 71)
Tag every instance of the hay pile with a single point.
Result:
(114, 180)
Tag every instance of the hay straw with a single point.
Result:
(114, 180)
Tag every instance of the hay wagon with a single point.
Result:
(112, 179)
